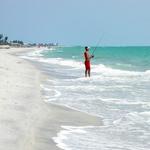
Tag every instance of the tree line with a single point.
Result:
(4, 41)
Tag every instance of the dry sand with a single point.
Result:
(26, 121)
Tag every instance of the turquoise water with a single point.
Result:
(117, 92)
(127, 58)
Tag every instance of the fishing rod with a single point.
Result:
(97, 44)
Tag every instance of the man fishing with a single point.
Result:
(87, 57)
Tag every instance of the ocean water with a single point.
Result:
(118, 92)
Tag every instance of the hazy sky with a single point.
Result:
(77, 22)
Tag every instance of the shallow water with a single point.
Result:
(118, 91)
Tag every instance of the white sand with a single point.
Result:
(26, 121)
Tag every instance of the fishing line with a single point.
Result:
(98, 43)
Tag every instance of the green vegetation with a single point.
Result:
(3, 40)
(18, 43)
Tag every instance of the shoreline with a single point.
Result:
(33, 122)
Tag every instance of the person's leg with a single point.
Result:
(89, 72)
(86, 73)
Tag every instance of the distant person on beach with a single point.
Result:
(87, 57)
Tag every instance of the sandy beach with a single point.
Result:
(27, 122)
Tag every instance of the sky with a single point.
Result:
(77, 22)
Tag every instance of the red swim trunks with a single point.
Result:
(87, 65)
